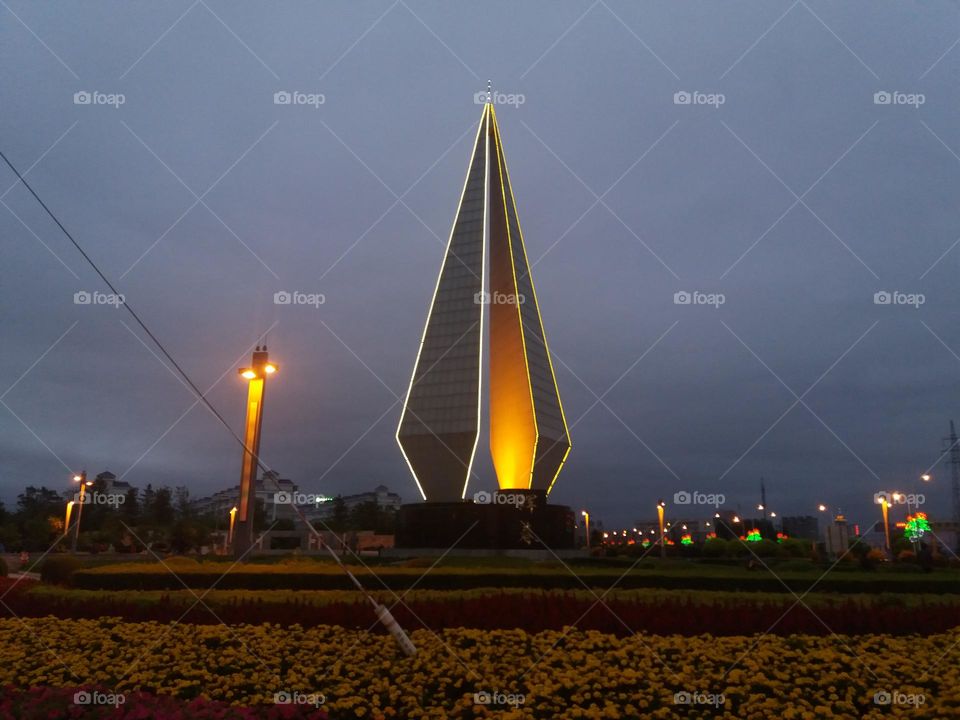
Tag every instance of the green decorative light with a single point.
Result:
(916, 526)
(686, 540)
(754, 536)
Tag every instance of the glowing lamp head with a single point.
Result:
(77, 478)
(822, 508)
(926, 477)
(248, 373)
(269, 368)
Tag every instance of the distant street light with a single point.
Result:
(84, 483)
(256, 374)
(586, 519)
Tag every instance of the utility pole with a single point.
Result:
(953, 461)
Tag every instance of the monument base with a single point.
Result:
(520, 520)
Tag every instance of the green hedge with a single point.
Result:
(449, 579)
(58, 569)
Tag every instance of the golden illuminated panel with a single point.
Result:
(251, 444)
(513, 430)
(440, 424)
(529, 440)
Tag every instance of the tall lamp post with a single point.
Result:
(586, 519)
(663, 541)
(233, 518)
(82, 479)
(66, 521)
(256, 375)
(885, 508)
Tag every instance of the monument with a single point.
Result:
(484, 279)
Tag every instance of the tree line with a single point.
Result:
(160, 518)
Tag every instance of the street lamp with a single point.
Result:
(66, 521)
(885, 507)
(82, 479)
(233, 517)
(586, 519)
(256, 374)
(663, 544)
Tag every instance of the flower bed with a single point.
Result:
(555, 673)
(622, 612)
(44, 703)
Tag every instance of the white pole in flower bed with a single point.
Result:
(382, 611)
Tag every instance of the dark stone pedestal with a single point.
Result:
(510, 520)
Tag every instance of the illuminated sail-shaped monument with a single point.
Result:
(485, 278)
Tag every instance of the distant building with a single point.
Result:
(111, 484)
(273, 491)
(802, 527)
(837, 537)
(381, 495)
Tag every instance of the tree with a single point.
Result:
(39, 502)
(162, 510)
(182, 498)
(147, 503)
(131, 507)
(365, 516)
(340, 514)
